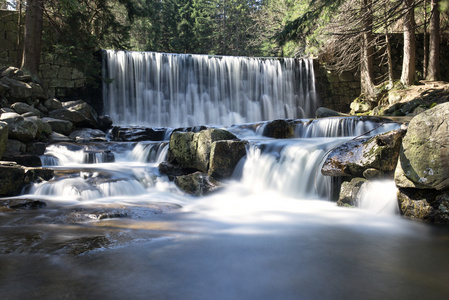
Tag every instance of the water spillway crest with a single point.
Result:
(179, 90)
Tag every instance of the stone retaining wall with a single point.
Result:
(58, 79)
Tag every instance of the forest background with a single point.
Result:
(343, 34)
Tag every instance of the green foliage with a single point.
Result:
(77, 29)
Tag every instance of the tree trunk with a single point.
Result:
(408, 63)
(366, 57)
(426, 41)
(33, 37)
(19, 34)
(433, 70)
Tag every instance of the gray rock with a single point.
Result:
(224, 156)
(354, 157)
(53, 104)
(197, 184)
(57, 125)
(3, 137)
(58, 137)
(324, 112)
(279, 129)
(17, 89)
(14, 147)
(38, 91)
(424, 156)
(12, 179)
(192, 150)
(20, 128)
(430, 206)
(80, 114)
(88, 134)
(22, 108)
(349, 192)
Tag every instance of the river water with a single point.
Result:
(270, 233)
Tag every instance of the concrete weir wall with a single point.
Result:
(58, 78)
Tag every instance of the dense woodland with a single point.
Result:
(346, 34)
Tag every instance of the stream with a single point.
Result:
(116, 228)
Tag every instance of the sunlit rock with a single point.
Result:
(192, 150)
(60, 126)
(79, 113)
(21, 108)
(20, 128)
(379, 152)
(424, 156)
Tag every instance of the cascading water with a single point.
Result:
(267, 234)
(174, 90)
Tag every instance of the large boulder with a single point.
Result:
(12, 179)
(351, 159)
(79, 113)
(60, 126)
(3, 137)
(197, 184)
(224, 156)
(424, 156)
(53, 104)
(22, 108)
(20, 128)
(192, 150)
(17, 89)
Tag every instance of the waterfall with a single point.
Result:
(174, 90)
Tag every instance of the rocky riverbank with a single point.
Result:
(29, 121)
(416, 157)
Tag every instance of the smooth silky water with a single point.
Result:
(271, 233)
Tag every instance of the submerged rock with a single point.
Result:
(351, 159)
(22, 203)
(424, 156)
(197, 184)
